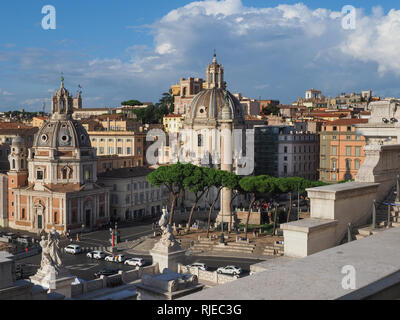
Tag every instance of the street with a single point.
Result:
(84, 267)
(102, 237)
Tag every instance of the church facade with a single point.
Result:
(54, 183)
(212, 116)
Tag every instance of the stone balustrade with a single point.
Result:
(123, 277)
(208, 276)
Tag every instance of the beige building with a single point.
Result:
(132, 196)
(250, 106)
(38, 121)
(188, 89)
(120, 143)
(173, 123)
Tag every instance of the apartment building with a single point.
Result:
(281, 151)
(132, 197)
(341, 150)
(119, 143)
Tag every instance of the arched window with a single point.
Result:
(22, 164)
(64, 173)
(348, 164)
(56, 217)
(13, 164)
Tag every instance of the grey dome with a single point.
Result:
(62, 133)
(18, 141)
(209, 103)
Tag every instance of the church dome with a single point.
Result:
(62, 133)
(209, 104)
(18, 141)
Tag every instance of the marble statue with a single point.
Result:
(51, 252)
(167, 237)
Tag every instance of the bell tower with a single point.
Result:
(18, 162)
(62, 102)
(18, 174)
(215, 75)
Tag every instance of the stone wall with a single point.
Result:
(255, 217)
(123, 277)
(208, 276)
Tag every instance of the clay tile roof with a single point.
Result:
(347, 121)
(126, 173)
(173, 115)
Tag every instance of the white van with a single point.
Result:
(73, 249)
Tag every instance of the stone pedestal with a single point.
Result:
(53, 280)
(167, 258)
(167, 286)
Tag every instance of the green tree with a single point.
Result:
(196, 182)
(172, 177)
(270, 109)
(214, 178)
(131, 103)
(232, 181)
(253, 186)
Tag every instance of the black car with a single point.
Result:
(106, 272)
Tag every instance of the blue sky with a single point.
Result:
(125, 49)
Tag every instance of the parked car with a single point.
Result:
(24, 240)
(116, 258)
(96, 255)
(199, 265)
(10, 236)
(233, 270)
(73, 249)
(138, 262)
(106, 272)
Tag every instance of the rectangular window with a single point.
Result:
(334, 150)
(348, 137)
(101, 150)
(110, 150)
(358, 151)
(348, 151)
(39, 175)
(119, 150)
(128, 150)
(285, 149)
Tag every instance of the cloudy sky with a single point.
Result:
(124, 49)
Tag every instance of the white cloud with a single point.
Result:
(5, 93)
(273, 52)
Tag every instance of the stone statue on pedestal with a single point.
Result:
(51, 252)
(167, 237)
(51, 267)
(167, 252)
